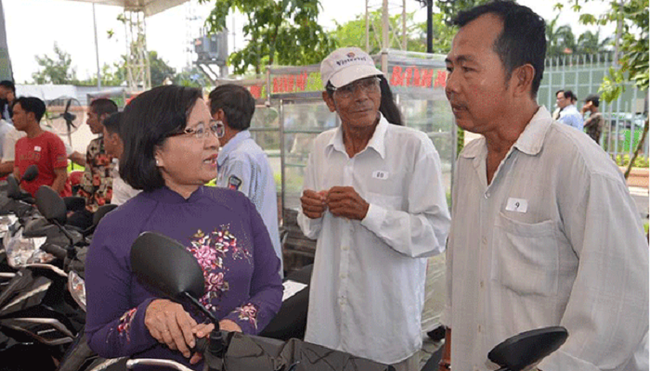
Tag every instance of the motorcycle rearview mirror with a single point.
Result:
(52, 207)
(30, 173)
(74, 203)
(13, 190)
(164, 264)
(527, 348)
(97, 217)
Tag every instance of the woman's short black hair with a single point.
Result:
(146, 122)
(237, 103)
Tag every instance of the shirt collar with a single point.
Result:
(167, 196)
(232, 145)
(530, 141)
(377, 142)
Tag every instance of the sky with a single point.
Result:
(33, 26)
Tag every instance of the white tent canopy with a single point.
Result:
(139, 74)
(149, 7)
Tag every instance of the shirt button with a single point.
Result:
(487, 195)
(343, 276)
(484, 240)
(344, 248)
(479, 328)
(482, 284)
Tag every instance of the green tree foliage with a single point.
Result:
(353, 33)
(450, 9)
(55, 70)
(112, 75)
(160, 70)
(191, 77)
(115, 75)
(560, 40)
(592, 43)
(442, 34)
(634, 48)
(282, 32)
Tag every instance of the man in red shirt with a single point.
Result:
(39, 147)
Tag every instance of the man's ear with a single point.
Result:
(114, 138)
(329, 100)
(220, 116)
(103, 117)
(522, 79)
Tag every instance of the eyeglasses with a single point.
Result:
(368, 86)
(216, 128)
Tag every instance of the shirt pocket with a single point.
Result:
(386, 201)
(525, 256)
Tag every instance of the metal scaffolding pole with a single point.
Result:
(137, 61)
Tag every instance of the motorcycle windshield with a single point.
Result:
(22, 251)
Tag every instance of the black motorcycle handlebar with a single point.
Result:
(201, 345)
(55, 250)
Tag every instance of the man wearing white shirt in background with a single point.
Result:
(569, 114)
(544, 232)
(374, 197)
(8, 138)
(243, 165)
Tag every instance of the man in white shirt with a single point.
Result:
(114, 147)
(243, 165)
(7, 97)
(374, 197)
(569, 114)
(544, 231)
(8, 138)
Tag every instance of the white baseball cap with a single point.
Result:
(346, 65)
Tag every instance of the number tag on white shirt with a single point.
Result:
(37, 148)
(517, 204)
(383, 175)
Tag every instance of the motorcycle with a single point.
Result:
(290, 322)
(166, 266)
(43, 306)
(15, 206)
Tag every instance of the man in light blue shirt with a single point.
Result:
(569, 113)
(242, 164)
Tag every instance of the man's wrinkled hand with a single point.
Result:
(313, 203)
(345, 202)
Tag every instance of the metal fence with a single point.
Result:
(583, 74)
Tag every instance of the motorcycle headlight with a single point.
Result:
(21, 251)
(77, 288)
